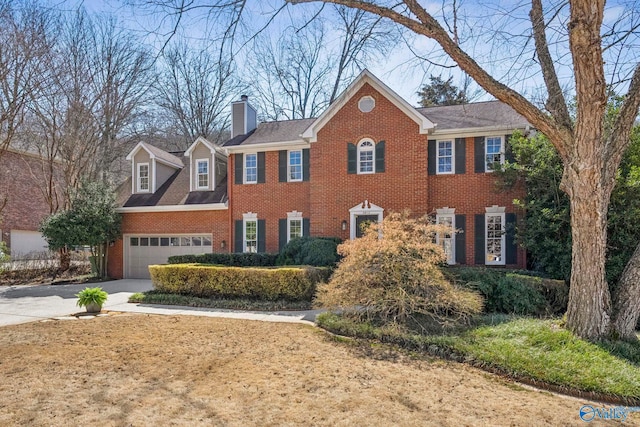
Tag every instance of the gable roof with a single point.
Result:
(204, 141)
(156, 153)
(311, 133)
(489, 114)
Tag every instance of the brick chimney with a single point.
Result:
(243, 117)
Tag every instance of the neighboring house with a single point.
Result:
(23, 176)
(368, 154)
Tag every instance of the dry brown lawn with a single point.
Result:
(143, 370)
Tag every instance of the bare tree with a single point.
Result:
(195, 89)
(591, 153)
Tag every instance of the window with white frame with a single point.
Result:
(294, 225)
(366, 157)
(494, 152)
(250, 168)
(494, 236)
(202, 171)
(445, 157)
(250, 234)
(295, 165)
(143, 177)
(446, 238)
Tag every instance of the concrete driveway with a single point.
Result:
(20, 304)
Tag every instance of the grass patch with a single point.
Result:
(156, 297)
(530, 350)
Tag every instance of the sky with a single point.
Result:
(496, 30)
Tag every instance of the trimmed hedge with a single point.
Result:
(228, 259)
(317, 251)
(210, 281)
(512, 291)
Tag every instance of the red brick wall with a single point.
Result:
(470, 194)
(214, 222)
(401, 186)
(270, 200)
(21, 183)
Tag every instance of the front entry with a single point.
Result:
(362, 221)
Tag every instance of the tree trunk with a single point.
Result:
(589, 298)
(627, 300)
(65, 259)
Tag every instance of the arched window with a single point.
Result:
(366, 156)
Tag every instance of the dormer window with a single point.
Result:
(143, 177)
(202, 167)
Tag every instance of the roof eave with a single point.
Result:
(174, 208)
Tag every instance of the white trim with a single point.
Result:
(447, 212)
(297, 144)
(373, 156)
(424, 124)
(477, 131)
(174, 208)
(244, 168)
(139, 189)
(153, 172)
(197, 175)
(289, 179)
(364, 99)
(495, 211)
(202, 140)
(143, 146)
(453, 156)
(364, 208)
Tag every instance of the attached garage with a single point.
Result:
(141, 251)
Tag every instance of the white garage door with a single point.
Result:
(24, 242)
(142, 251)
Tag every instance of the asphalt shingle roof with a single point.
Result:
(473, 115)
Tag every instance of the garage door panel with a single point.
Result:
(144, 250)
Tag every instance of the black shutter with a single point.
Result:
(431, 157)
(238, 163)
(479, 240)
(352, 160)
(239, 237)
(380, 157)
(261, 167)
(282, 166)
(306, 227)
(510, 240)
(508, 152)
(262, 244)
(479, 154)
(305, 164)
(461, 147)
(282, 233)
(461, 240)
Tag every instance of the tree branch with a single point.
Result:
(556, 103)
(429, 27)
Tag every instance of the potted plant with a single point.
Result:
(92, 299)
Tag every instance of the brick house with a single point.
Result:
(22, 178)
(369, 153)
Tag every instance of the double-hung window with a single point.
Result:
(294, 228)
(446, 237)
(143, 177)
(202, 168)
(494, 152)
(295, 165)
(250, 168)
(251, 235)
(445, 157)
(495, 238)
(366, 157)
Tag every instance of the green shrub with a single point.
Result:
(394, 277)
(228, 259)
(209, 281)
(89, 296)
(317, 251)
(513, 292)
